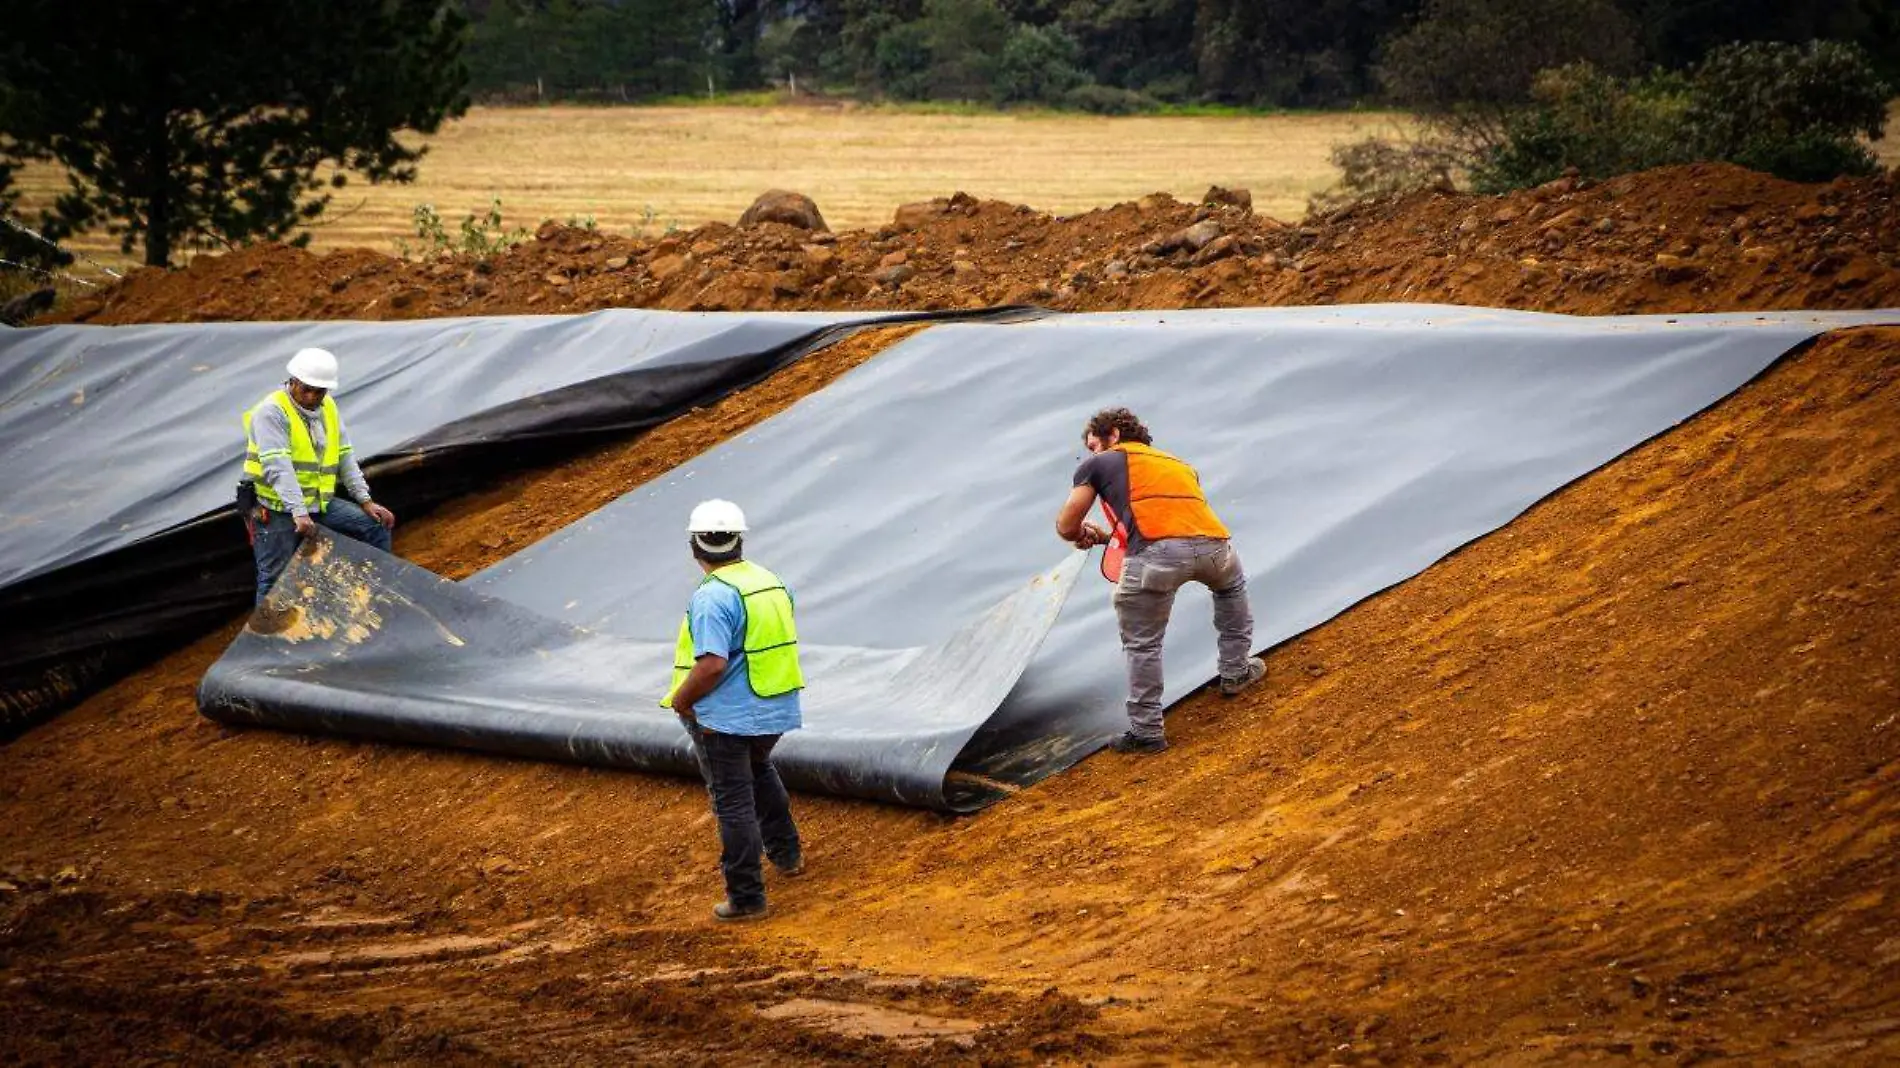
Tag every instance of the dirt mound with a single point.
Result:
(1706, 236)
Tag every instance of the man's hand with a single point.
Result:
(382, 515)
(306, 526)
(1069, 524)
(687, 719)
(1090, 536)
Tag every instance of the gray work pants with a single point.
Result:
(1145, 597)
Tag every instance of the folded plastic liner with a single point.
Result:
(909, 507)
(355, 642)
(123, 446)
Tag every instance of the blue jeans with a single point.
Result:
(755, 813)
(276, 537)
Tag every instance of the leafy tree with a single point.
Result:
(966, 40)
(1798, 112)
(1039, 63)
(788, 48)
(1304, 53)
(1132, 44)
(901, 66)
(1678, 33)
(205, 123)
(600, 49)
(1469, 64)
(951, 51)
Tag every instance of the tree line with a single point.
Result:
(1111, 55)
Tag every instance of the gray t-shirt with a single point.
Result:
(1107, 473)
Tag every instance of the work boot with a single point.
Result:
(793, 870)
(1130, 742)
(1256, 670)
(727, 912)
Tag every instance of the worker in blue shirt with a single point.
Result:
(735, 688)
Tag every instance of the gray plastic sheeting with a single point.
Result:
(113, 434)
(358, 643)
(1347, 448)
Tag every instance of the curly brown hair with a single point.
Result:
(1110, 419)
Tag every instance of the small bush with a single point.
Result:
(1377, 168)
(1176, 88)
(477, 235)
(1585, 119)
(1792, 111)
(1109, 100)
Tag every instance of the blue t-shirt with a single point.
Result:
(718, 625)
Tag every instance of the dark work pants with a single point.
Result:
(755, 814)
(275, 537)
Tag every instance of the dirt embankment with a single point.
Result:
(1619, 782)
(1702, 236)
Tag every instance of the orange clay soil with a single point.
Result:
(1618, 781)
(1709, 236)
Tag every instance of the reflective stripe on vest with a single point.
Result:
(316, 477)
(771, 640)
(1165, 495)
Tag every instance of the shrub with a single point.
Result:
(1792, 111)
(1585, 119)
(1109, 100)
(1376, 168)
(478, 235)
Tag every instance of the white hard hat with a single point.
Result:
(716, 517)
(313, 367)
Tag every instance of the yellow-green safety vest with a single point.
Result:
(316, 477)
(771, 640)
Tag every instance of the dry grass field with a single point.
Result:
(648, 169)
(653, 167)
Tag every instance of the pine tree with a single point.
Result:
(208, 123)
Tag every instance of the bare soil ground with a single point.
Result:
(1620, 782)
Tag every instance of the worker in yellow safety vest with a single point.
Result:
(735, 688)
(1160, 516)
(296, 454)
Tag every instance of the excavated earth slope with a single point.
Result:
(1710, 236)
(1620, 781)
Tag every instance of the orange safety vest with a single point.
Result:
(1165, 495)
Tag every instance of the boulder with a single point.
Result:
(1234, 198)
(1218, 249)
(1197, 237)
(914, 215)
(893, 276)
(665, 268)
(782, 206)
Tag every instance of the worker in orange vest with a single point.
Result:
(1157, 509)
